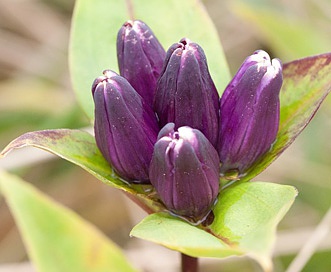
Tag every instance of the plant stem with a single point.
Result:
(139, 203)
(189, 264)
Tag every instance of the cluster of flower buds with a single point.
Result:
(162, 122)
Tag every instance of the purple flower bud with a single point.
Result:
(185, 93)
(140, 57)
(249, 113)
(125, 127)
(185, 172)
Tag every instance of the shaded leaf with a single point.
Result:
(94, 30)
(246, 217)
(306, 84)
(56, 238)
(79, 147)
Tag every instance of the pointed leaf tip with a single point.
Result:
(79, 147)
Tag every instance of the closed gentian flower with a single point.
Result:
(140, 57)
(125, 127)
(185, 92)
(249, 113)
(185, 172)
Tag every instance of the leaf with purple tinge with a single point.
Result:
(79, 147)
(306, 84)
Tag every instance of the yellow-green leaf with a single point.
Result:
(56, 238)
(246, 217)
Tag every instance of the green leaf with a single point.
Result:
(56, 238)
(173, 233)
(79, 147)
(95, 25)
(306, 84)
(246, 217)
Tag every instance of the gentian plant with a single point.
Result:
(180, 137)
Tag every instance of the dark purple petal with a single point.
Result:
(185, 93)
(249, 113)
(125, 127)
(140, 57)
(185, 172)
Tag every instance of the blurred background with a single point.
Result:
(36, 93)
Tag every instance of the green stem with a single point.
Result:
(189, 264)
